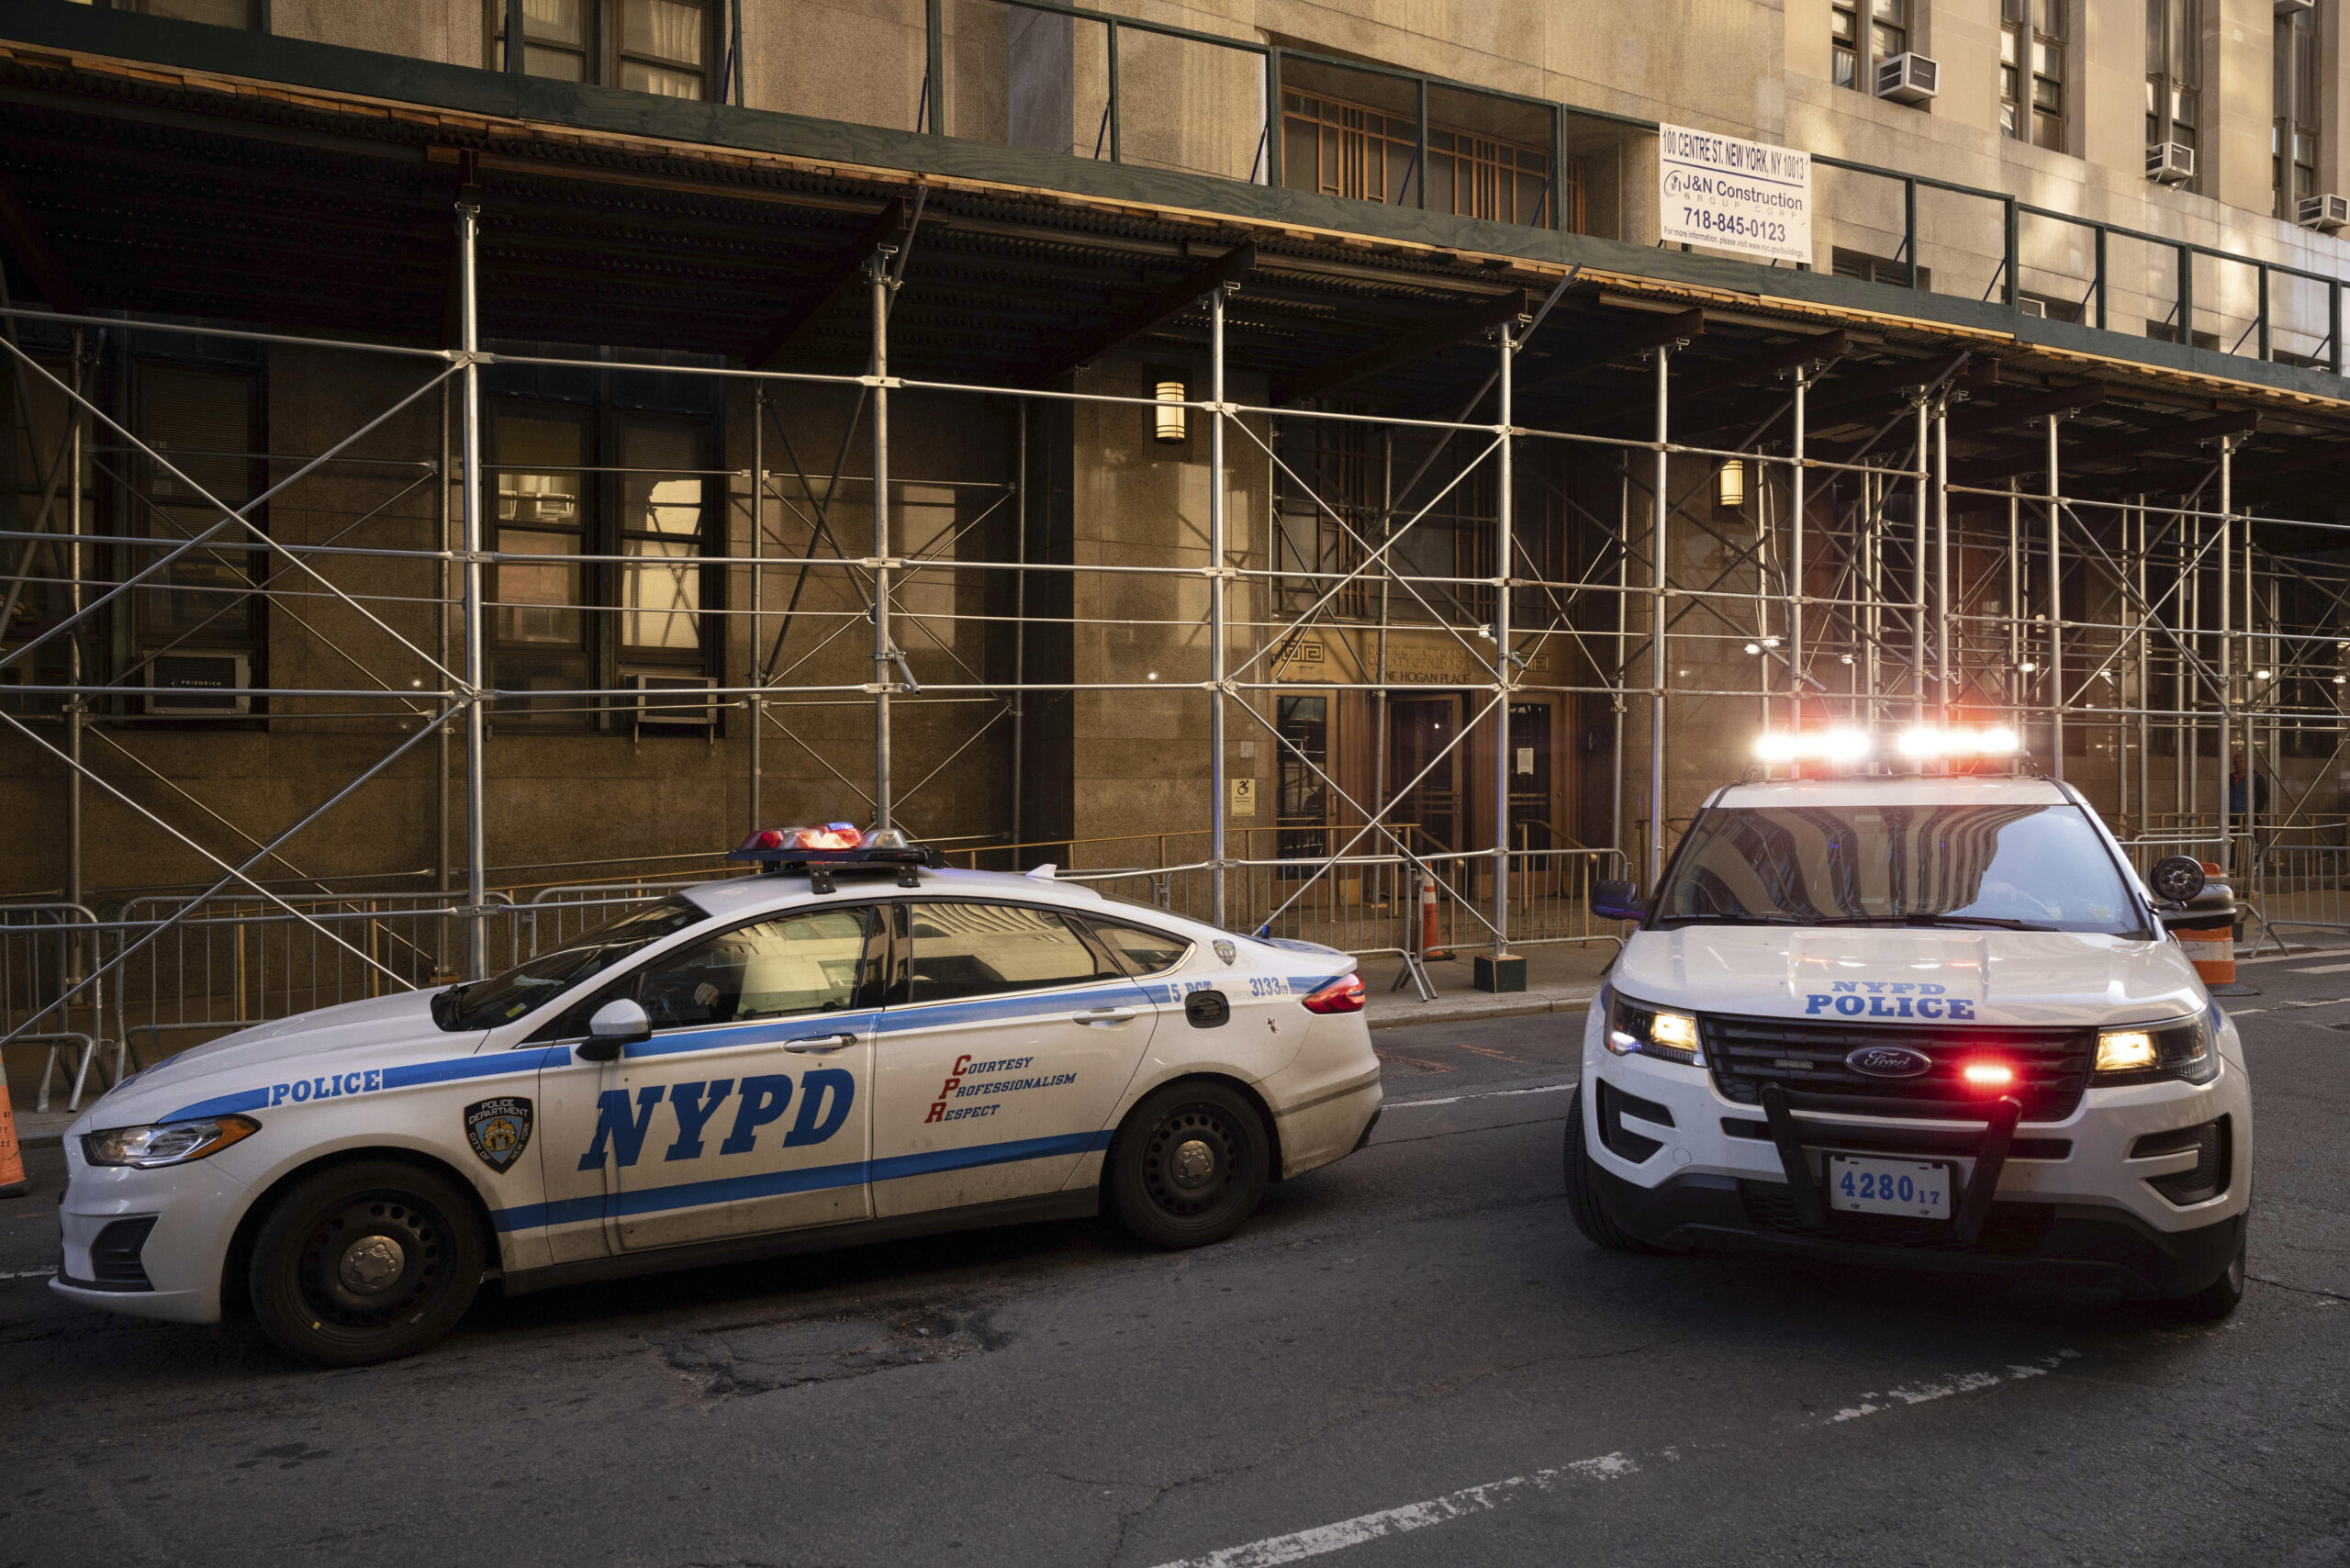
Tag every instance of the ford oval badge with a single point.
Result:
(1888, 1061)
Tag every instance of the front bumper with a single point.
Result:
(195, 1208)
(2063, 1204)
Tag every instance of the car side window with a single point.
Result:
(811, 961)
(806, 962)
(1141, 950)
(984, 949)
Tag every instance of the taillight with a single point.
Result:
(1341, 995)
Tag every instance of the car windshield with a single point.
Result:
(2016, 868)
(485, 1004)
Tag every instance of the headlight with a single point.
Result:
(1673, 1036)
(166, 1143)
(2150, 1053)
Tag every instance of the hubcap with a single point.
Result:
(372, 1260)
(372, 1265)
(1194, 1163)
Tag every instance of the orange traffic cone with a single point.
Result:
(2209, 937)
(13, 1182)
(1431, 938)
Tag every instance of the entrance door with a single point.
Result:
(1418, 731)
(748, 1110)
(1530, 763)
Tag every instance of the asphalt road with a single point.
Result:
(1411, 1358)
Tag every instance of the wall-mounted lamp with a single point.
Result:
(1170, 420)
(1729, 485)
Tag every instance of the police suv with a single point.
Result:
(1929, 1020)
(853, 1046)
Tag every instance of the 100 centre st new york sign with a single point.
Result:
(1728, 194)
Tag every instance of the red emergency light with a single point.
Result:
(828, 848)
(1988, 1075)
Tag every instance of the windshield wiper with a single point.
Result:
(1928, 922)
(1740, 919)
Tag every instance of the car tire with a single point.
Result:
(2218, 1299)
(1189, 1165)
(1584, 1200)
(364, 1262)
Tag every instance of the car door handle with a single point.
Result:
(817, 1044)
(1101, 1017)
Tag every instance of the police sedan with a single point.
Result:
(811, 1057)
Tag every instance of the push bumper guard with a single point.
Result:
(1966, 1224)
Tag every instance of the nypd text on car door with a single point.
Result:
(746, 1110)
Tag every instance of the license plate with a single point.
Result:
(1920, 1190)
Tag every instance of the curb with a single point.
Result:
(1446, 1010)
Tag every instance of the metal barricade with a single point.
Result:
(53, 988)
(2304, 885)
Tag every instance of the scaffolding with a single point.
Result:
(2085, 569)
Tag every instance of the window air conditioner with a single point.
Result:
(2170, 163)
(2324, 213)
(212, 684)
(1907, 78)
(2031, 307)
(681, 701)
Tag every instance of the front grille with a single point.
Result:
(1806, 1058)
(2009, 1230)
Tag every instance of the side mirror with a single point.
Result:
(617, 1026)
(2177, 877)
(1618, 901)
(1207, 1009)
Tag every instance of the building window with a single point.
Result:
(1345, 149)
(1877, 269)
(243, 14)
(2175, 76)
(1857, 47)
(205, 422)
(662, 47)
(2031, 71)
(572, 484)
(2293, 138)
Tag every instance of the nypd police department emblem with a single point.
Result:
(499, 1130)
(1226, 951)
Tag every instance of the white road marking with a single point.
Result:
(1410, 1516)
(2323, 969)
(1488, 1094)
(1962, 1382)
(30, 1274)
(1484, 1499)
(2304, 953)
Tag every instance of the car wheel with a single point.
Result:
(365, 1262)
(1189, 1165)
(1584, 1200)
(2219, 1298)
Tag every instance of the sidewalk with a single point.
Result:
(1557, 980)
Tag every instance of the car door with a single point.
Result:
(749, 1109)
(1009, 1036)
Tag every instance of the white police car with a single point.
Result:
(744, 1068)
(1932, 1021)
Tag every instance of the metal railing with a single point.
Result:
(2093, 308)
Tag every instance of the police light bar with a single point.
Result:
(1926, 743)
(829, 848)
(1839, 745)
